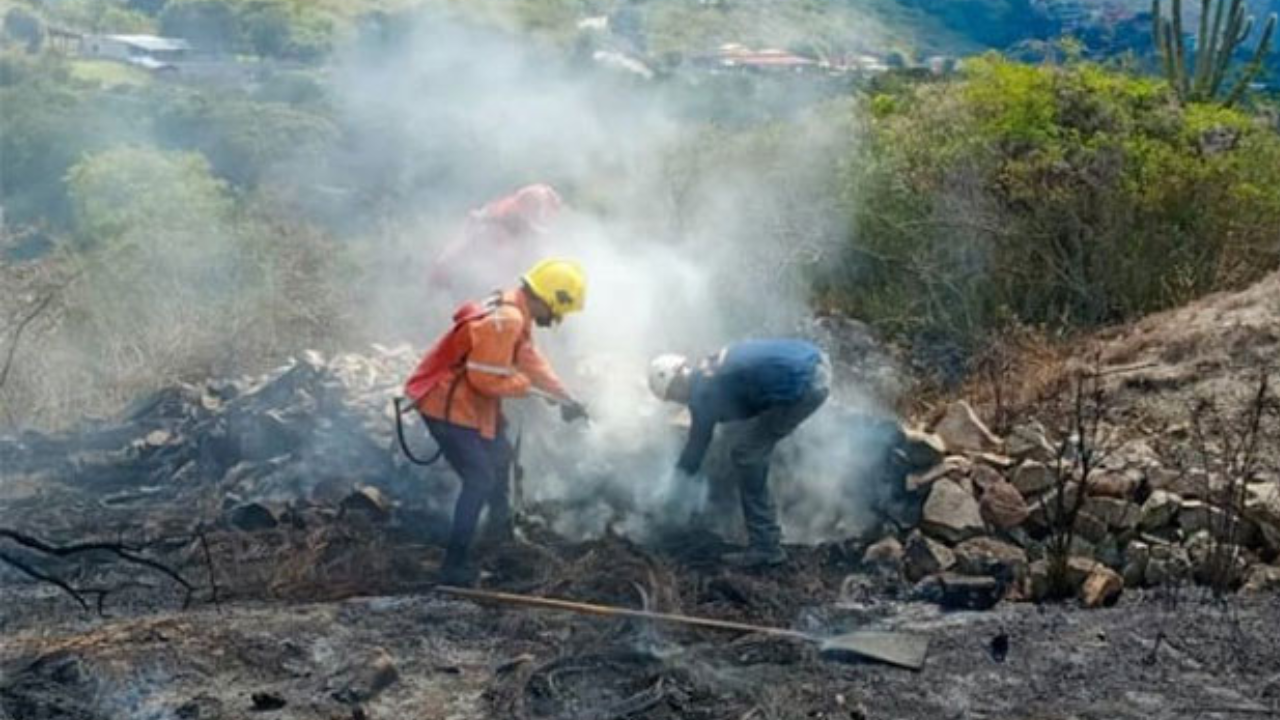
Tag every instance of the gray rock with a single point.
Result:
(1117, 514)
(360, 680)
(1137, 555)
(923, 556)
(988, 556)
(1168, 564)
(1029, 441)
(886, 554)
(1262, 578)
(950, 513)
(1032, 478)
(1102, 587)
(1160, 509)
(1090, 527)
(1002, 506)
(1262, 506)
(922, 450)
(954, 467)
(961, 592)
(962, 430)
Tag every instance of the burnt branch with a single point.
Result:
(39, 576)
(1229, 446)
(1080, 452)
(119, 550)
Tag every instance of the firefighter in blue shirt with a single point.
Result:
(773, 384)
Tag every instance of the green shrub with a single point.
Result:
(1063, 196)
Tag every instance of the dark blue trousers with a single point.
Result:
(752, 449)
(484, 466)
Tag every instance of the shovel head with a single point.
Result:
(893, 648)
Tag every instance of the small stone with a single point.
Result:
(1102, 587)
(888, 553)
(360, 681)
(1077, 570)
(955, 466)
(1196, 515)
(1169, 563)
(961, 592)
(1262, 578)
(988, 556)
(1029, 441)
(252, 517)
(923, 556)
(1032, 478)
(1116, 513)
(984, 476)
(367, 501)
(962, 430)
(1160, 509)
(1003, 506)
(1137, 554)
(1262, 507)
(1113, 485)
(922, 450)
(950, 513)
(1090, 527)
(158, 438)
(266, 701)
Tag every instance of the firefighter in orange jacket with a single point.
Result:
(459, 385)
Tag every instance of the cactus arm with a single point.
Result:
(1216, 38)
(1181, 46)
(1231, 39)
(1204, 50)
(1255, 63)
(1166, 50)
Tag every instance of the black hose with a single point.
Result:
(404, 446)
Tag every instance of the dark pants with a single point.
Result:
(752, 450)
(484, 466)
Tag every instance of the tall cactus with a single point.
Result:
(1223, 29)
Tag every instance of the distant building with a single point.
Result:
(147, 51)
(736, 56)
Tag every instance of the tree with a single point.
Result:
(208, 24)
(1199, 76)
(245, 140)
(102, 16)
(23, 26)
(145, 196)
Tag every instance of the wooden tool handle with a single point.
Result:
(613, 611)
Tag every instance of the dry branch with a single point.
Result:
(123, 552)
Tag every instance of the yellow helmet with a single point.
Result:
(559, 283)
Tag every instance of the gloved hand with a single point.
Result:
(573, 410)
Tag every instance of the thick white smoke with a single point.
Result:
(693, 236)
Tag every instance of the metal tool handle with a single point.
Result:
(614, 611)
(550, 397)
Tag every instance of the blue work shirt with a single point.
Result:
(742, 381)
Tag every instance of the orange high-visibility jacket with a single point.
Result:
(501, 362)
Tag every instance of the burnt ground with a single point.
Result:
(409, 653)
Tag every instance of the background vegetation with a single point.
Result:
(1061, 195)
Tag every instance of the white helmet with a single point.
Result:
(663, 370)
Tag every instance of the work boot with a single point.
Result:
(458, 575)
(756, 557)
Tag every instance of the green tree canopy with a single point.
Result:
(146, 196)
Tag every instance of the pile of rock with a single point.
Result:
(315, 431)
(990, 508)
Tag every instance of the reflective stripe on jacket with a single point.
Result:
(501, 362)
